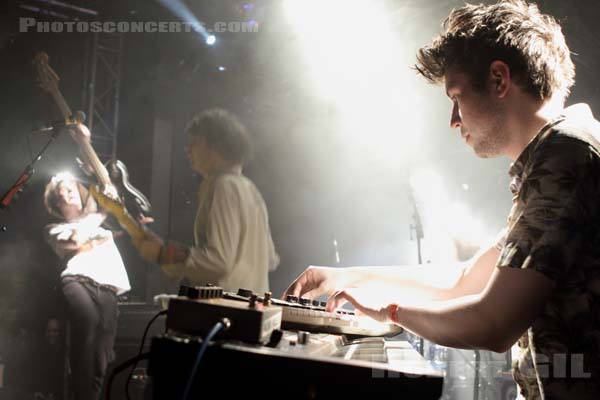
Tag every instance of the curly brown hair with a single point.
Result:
(530, 43)
(222, 131)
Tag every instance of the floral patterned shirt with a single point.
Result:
(554, 228)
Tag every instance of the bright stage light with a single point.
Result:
(358, 62)
(180, 9)
(63, 176)
(447, 221)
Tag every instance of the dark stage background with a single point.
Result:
(318, 186)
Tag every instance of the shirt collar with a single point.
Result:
(228, 169)
(517, 167)
(580, 112)
(235, 169)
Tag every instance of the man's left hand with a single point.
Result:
(80, 132)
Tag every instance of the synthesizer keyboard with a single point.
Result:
(312, 354)
(310, 315)
(320, 366)
(297, 314)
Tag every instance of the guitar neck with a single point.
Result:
(131, 226)
(49, 82)
(94, 162)
(62, 104)
(87, 150)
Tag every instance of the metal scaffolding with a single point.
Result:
(102, 91)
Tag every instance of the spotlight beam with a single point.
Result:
(179, 9)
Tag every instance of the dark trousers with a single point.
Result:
(92, 313)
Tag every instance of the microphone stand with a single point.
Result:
(417, 228)
(27, 173)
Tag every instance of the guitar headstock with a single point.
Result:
(47, 77)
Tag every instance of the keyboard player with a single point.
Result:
(507, 70)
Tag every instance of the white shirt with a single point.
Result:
(102, 262)
(233, 246)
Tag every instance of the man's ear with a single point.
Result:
(500, 78)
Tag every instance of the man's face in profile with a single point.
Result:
(477, 113)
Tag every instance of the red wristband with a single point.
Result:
(167, 253)
(170, 257)
(394, 313)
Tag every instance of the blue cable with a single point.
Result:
(224, 324)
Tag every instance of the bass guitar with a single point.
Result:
(126, 220)
(120, 177)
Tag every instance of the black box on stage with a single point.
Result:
(133, 319)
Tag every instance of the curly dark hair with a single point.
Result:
(222, 131)
(530, 43)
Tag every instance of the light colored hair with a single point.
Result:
(51, 200)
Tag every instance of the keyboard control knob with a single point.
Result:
(292, 299)
(188, 291)
(244, 292)
(304, 301)
(303, 337)
(252, 301)
(267, 299)
(315, 303)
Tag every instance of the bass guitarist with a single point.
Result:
(93, 276)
